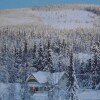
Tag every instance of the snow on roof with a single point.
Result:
(57, 76)
(43, 77)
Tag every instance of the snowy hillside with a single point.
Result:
(18, 17)
(60, 19)
(69, 19)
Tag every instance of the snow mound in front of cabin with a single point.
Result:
(89, 95)
(10, 91)
(69, 19)
(40, 96)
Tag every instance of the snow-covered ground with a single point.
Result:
(8, 90)
(84, 95)
(40, 96)
(89, 95)
(69, 19)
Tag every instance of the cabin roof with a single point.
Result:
(57, 76)
(44, 77)
(41, 76)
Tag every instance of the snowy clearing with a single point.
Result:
(69, 19)
(85, 95)
(40, 96)
(89, 95)
(5, 89)
(10, 91)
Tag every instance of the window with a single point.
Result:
(36, 89)
(41, 89)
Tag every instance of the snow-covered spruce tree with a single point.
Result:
(64, 48)
(95, 67)
(18, 63)
(61, 62)
(32, 59)
(85, 73)
(34, 56)
(25, 94)
(88, 73)
(62, 56)
(7, 62)
(72, 82)
(40, 59)
(49, 68)
(4, 75)
(48, 59)
(24, 61)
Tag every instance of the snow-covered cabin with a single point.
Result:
(42, 81)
